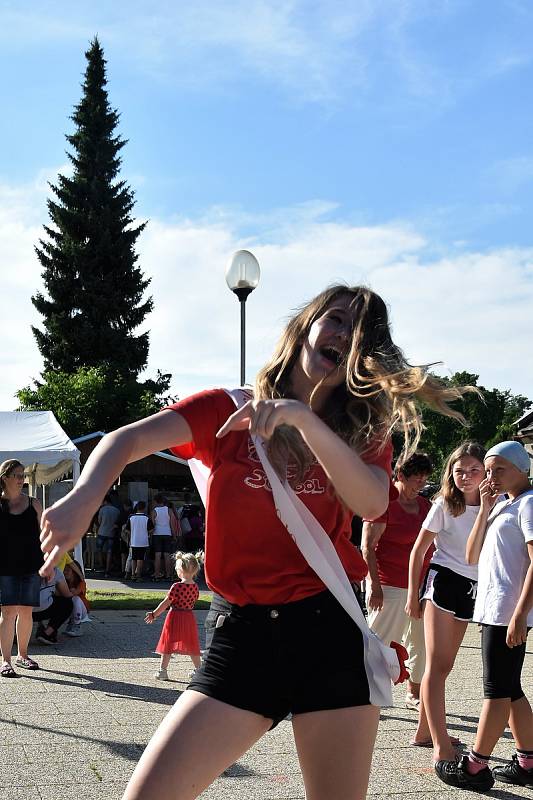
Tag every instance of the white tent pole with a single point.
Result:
(78, 550)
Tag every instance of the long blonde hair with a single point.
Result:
(454, 499)
(381, 392)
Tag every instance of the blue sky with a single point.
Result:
(383, 141)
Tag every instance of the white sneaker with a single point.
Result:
(73, 630)
(161, 675)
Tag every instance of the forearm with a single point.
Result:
(416, 560)
(371, 561)
(477, 537)
(355, 483)
(525, 601)
(163, 605)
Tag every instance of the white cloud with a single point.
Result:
(471, 310)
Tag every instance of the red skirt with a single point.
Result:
(179, 634)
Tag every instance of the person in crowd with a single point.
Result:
(446, 600)
(164, 534)
(138, 526)
(501, 543)
(80, 604)
(386, 545)
(108, 517)
(20, 560)
(180, 632)
(325, 405)
(125, 514)
(55, 607)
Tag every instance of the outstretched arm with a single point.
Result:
(363, 488)
(63, 525)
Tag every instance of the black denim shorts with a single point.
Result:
(295, 657)
(20, 590)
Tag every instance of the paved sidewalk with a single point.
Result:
(77, 727)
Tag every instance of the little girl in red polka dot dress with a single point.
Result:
(180, 633)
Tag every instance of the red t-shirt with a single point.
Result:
(395, 545)
(249, 555)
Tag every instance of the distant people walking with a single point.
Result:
(20, 560)
(449, 588)
(386, 546)
(165, 528)
(502, 542)
(180, 632)
(108, 517)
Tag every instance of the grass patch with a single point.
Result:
(141, 599)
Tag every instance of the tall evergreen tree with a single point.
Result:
(95, 288)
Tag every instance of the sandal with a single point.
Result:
(26, 663)
(7, 671)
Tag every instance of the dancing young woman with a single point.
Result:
(325, 404)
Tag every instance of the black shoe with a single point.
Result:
(514, 773)
(456, 774)
(46, 638)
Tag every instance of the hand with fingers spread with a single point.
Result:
(262, 417)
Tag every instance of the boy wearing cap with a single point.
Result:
(502, 542)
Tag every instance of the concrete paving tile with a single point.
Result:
(88, 791)
(9, 792)
(259, 788)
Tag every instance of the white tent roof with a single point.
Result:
(39, 442)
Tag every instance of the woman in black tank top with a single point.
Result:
(20, 560)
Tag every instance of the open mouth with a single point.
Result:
(332, 355)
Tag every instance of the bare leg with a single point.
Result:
(444, 635)
(165, 660)
(24, 627)
(521, 723)
(492, 723)
(414, 689)
(198, 739)
(157, 565)
(335, 751)
(7, 631)
(168, 566)
(197, 661)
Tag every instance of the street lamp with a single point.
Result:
(242, 276)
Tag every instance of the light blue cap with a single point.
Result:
(513, 452)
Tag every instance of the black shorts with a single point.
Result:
(137, 553)
(163, 544)
(450, 592)
(295, 657)
(20, 590)
(502, 665)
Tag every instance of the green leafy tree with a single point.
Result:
(489, 414)
(95, 399)
(94, 287)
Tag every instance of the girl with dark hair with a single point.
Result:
(20, 559)
(449, 589)
(325, 405)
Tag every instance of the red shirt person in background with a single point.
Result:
(386, 545)
(324, 405)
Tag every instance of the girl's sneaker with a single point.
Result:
(161, 675)
(514, 773)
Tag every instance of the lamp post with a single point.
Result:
(242, 276)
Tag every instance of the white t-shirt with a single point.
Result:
(162, 521)
(452, 534)
(139, 530)
(48, 589)
(504, 561)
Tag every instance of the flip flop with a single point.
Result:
(429, 742)
(7, 671)
(26, 663)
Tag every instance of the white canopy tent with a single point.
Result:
(37, 440)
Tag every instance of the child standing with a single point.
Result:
(179, 634)
(502, 542)
(449, 589)
(138, 525)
